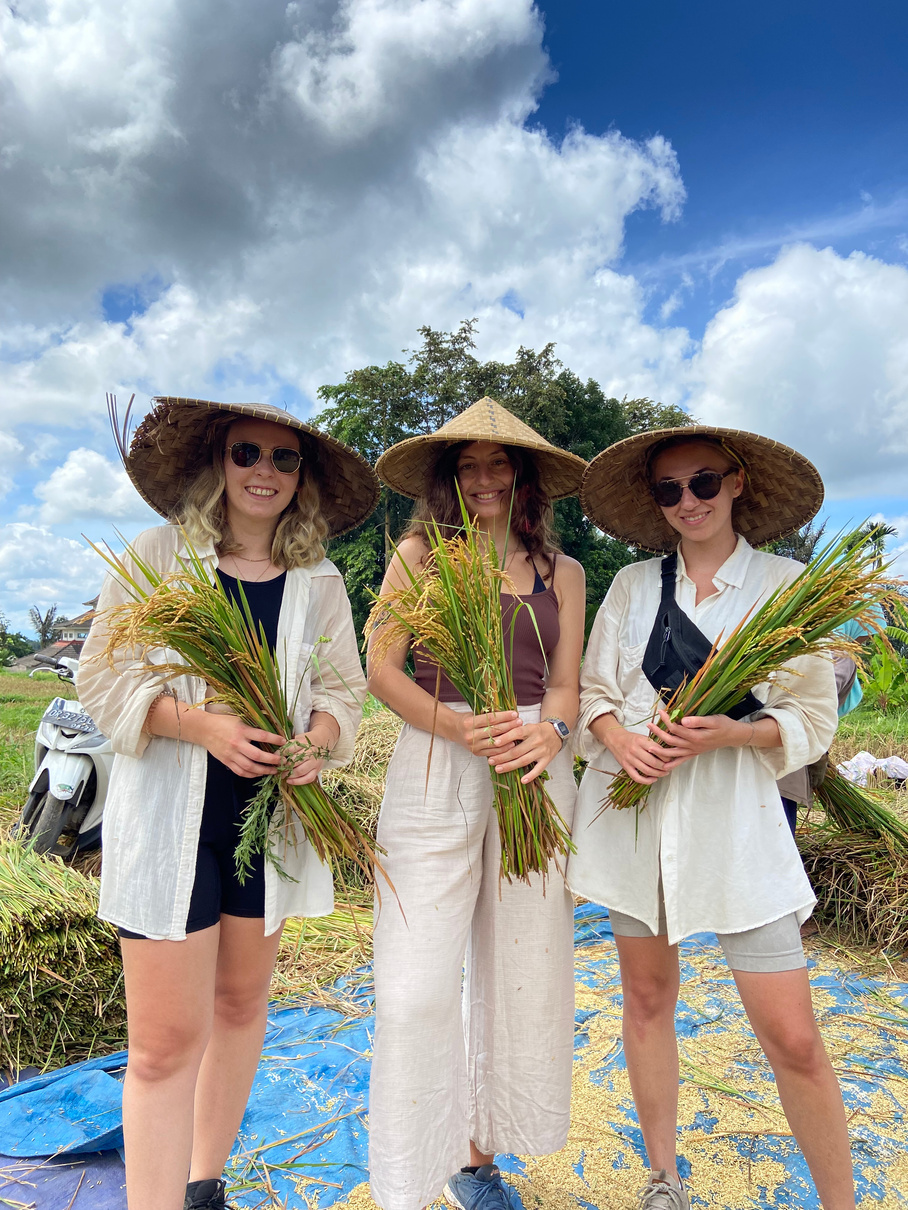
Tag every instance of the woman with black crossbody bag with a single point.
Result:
(710, 850)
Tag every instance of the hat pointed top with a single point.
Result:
(488, 415)
(407, 466)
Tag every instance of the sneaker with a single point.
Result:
(482, 1190)
(206, 1195)
(663, 1192)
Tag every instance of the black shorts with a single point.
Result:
(217, 889)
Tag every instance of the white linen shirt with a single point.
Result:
(153, 810)
(714, 828)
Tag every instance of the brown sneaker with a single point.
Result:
(663, 1192)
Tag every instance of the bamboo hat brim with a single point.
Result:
(782, 489)
(171, 445)
(407, 467)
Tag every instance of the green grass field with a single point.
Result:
(23, 700)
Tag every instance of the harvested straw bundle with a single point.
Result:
(452, 607)
(851, 809)
(361, 785)
(61, 983)
(217, 640)
(861, 886)
(841, 583)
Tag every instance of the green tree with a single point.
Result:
(801, 544)
(43, 623)
(377, 406)
(12, 644)
(643, 415)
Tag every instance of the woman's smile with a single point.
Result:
(486, 477)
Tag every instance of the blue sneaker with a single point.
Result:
(482, 1190)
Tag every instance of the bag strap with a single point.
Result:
(669, 573)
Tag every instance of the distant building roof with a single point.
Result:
(72, 650)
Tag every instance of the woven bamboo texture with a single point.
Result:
(782, 489)
(171, 445)
(406, 467)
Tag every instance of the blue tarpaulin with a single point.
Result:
(305, 1129)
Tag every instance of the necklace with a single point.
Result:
(243, 559)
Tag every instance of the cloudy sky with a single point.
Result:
(706, 204)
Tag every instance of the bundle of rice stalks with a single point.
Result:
(218, 641)
(851, 809)
(361, 785)
(841, 583)
(452, 608)
(861, 885)
(61, 982)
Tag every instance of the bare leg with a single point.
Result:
(650, 981)
(478, 1158)
(781, 1013)
(246, 959)
(169, 996)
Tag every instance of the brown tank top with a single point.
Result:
(529, 656)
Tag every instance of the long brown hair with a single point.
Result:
(531, 515)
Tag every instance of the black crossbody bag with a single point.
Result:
(677, 649)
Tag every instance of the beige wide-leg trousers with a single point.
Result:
(486, 1056)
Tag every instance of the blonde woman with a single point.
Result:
(710, 851)
(256, 493)
(455, 1082)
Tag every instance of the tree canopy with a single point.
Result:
(377, 406)
(12, 644)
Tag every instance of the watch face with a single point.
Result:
(561, 727)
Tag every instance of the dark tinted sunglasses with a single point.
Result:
(705, 486)
(247, 453)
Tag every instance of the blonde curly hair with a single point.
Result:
(299, 539)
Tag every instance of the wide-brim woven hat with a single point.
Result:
(407, 466)
(172, 444)
(782, 489)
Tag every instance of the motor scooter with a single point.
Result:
(63, 812)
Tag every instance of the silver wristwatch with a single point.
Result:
(560, 726)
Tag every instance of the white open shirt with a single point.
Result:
(153, 810)
(714, 827)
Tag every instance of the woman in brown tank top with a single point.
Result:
(464, 1068)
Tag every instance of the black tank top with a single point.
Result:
(264, 600)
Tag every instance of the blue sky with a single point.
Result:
(705, 204)
(787, 118)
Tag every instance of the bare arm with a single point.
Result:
(540, 742)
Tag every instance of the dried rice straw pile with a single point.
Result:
(316, 952)
(61, 993)
(857, 862)
(361, 786)
(861, 885)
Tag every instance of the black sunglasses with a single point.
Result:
(705, 486)
(283, 459)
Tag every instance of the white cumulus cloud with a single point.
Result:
(11, 450)
(309, 183)
(38, 567)
(88, 485)
(813, 350)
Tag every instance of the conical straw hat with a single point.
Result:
(782, 490)
(171, 446)
(406, 467)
